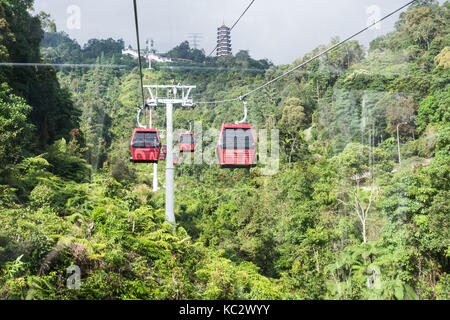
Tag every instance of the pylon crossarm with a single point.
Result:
(184, 100)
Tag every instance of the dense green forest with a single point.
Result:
(347, 215)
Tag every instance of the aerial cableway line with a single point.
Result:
(139, 50)
(61, 65)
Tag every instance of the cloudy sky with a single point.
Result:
(281, 30)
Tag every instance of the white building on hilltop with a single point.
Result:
(149, 55)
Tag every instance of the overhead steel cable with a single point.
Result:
(248, 7)
(222, 69)
(242, 97)
(234, 24)
(139, 51)
(60, 65)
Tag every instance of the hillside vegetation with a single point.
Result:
(340, 219)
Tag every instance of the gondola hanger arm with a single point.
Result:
(245, 113)
(139, 110)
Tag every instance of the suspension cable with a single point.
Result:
(139, 51)
(309, 60)
(248, 7)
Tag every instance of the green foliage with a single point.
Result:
(15, 130)
(183, 51)
(66, 165)
(52, 111)
(356, 159)
(7, 196)
(58, 47)
(433, 110)
(443, 288)
(41, 196)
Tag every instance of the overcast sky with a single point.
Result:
(281, 30)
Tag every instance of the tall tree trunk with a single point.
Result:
(364, 231)
(292, 150)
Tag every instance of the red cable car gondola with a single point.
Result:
(145, 146)
(175, 158)
(163, 153)
(236, 147)
(186, 142)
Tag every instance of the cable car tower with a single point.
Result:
(175, 94)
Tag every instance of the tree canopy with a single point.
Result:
(341, 218)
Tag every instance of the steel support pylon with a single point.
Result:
(172, 93)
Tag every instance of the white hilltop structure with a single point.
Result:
(148, 55)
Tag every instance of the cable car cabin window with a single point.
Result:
(186, 139)
(238, 139)
(145, 139)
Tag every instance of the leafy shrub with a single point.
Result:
(42, 196)
(66, 165)
(7, 196)
(121, 171)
